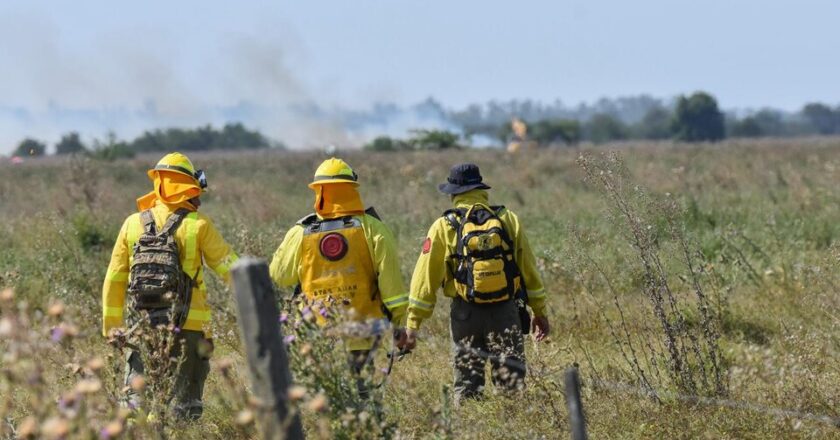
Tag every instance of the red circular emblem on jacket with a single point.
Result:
(333, 246)
(427, 245)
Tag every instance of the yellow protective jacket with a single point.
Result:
(434, 267)
(286, 268)
(198, 242)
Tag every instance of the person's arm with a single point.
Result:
(527, 263)
(286, 260)
(429, 275)
(531, 277)
(387, 265)
(115, 284)
(217, 253)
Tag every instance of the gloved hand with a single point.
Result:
(410, 340)
(540, 327)
(400, 337)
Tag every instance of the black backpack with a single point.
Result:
(159, 286)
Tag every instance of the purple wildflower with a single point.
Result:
(323, 312)
(104, 434)
(288, 339)
(176, 330)
(57, 334)
(284, 317)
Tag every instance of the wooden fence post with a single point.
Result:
(266, 354)
(572, 385)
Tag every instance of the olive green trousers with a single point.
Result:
(192, 365)
(484, 333)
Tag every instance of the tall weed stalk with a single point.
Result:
(683, 343)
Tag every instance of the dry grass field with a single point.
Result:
(728, 254)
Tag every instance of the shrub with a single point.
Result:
(30, 147)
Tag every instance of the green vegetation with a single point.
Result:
(697, 118)
(420, 140)
(693, 118)
(604, 128)
(30, 147)
(548, 132)
(70, 144)
(756, 220)
(230, 137)
(234, 136)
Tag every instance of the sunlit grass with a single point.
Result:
(764, 216)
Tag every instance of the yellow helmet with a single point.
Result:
(179, 163)
(334, 170)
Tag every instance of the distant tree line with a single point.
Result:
(419, 140)
(233, 136)
(693, 118)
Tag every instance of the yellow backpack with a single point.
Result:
(485, 267)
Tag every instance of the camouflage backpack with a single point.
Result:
(159, 286)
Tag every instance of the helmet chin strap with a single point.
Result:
(195, 201)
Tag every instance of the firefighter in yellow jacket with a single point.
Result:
(344, 260)
(480, 255)
(168, 235)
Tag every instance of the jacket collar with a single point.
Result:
(470, 198)
(166, 208)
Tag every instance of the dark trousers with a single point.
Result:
(189, 377)
(482, 333)
(359, 360)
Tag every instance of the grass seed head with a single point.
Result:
(6, 327)
(7, 295)
(89, 386)
(56, 309)
(318, 403)
(113, 429)
(296, 392)
(245, 417)
(138, 383)
(55, 428)
(96, 364)
(28, 428)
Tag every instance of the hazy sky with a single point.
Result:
(183, 60)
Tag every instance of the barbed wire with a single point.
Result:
(711, 401)
(378, 329)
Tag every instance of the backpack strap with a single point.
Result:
(148, 221)
(174, 221)
(497, 210)
(308, 219)
(371, 211)
(453, 216)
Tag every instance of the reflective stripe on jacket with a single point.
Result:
(286, 267)
(199, 242)
(434, 267)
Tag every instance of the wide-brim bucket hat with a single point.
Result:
(462, 178)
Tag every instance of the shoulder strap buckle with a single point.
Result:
(148, 221)
(452, 217)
